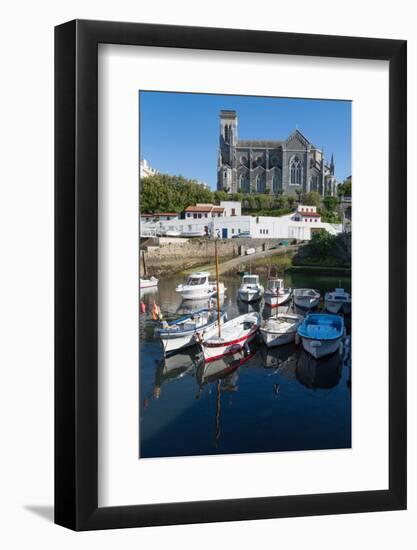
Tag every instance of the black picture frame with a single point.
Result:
(76, 272)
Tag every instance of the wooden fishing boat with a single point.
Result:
(337, 301)
(275, 293)
(235, 336)
(187, 330)
(306, 298)
(280, 330)
(231, 336)
(321, 333)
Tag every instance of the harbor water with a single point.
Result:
(277, 399)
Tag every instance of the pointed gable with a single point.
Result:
(297, 141)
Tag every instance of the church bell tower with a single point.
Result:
(226, 170)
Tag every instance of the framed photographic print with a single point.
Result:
(230, 275)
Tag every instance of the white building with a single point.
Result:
(208, 210)
(145, 170)
(227, 222)
(306, 214)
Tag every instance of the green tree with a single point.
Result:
(220, 196)
(164, 193)
(322, 242)
(330, 203)
(345, 188)
(282, 201)
(291, 201)
(312, 198)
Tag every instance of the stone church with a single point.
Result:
(253, 166)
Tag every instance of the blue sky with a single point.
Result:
(179, 133)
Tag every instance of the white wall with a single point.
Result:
(229, 206)
(26, 304)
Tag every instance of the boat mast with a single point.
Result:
(143, 263)
(218, 287)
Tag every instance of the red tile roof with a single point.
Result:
(309, 214)
(206, 208)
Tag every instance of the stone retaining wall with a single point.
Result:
(173, 257)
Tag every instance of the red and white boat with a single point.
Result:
(276, 294)
(235, 335)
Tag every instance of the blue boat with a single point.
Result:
(187, 330)
(321, 333)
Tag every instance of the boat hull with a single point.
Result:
(250, 296)
(337, 307)
(174, 342)
(274, 300)
(272, 339)
(213, 352)
(306, 302)
(200, 293)
(321, 348)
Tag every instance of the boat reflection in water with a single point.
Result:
(224, 374)
(174, 367)
(148, 291)
(189, 306)
(278, 399)
(281, 358)
(324, 373)
(248, 307)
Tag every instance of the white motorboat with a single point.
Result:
(187, 330)
(321, 333)
(198, 286)
(338, 301)
(148, 283)
(235, 336)
(306, 298)
(276, 294)
(280, 330)
(251, 289)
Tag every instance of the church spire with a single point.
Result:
(332, 166)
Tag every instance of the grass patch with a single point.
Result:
(276, 262)
(328, 261)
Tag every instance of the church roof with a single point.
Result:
(258, 143)
(298, 136)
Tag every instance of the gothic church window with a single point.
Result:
(260, 184)
(295, 171)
